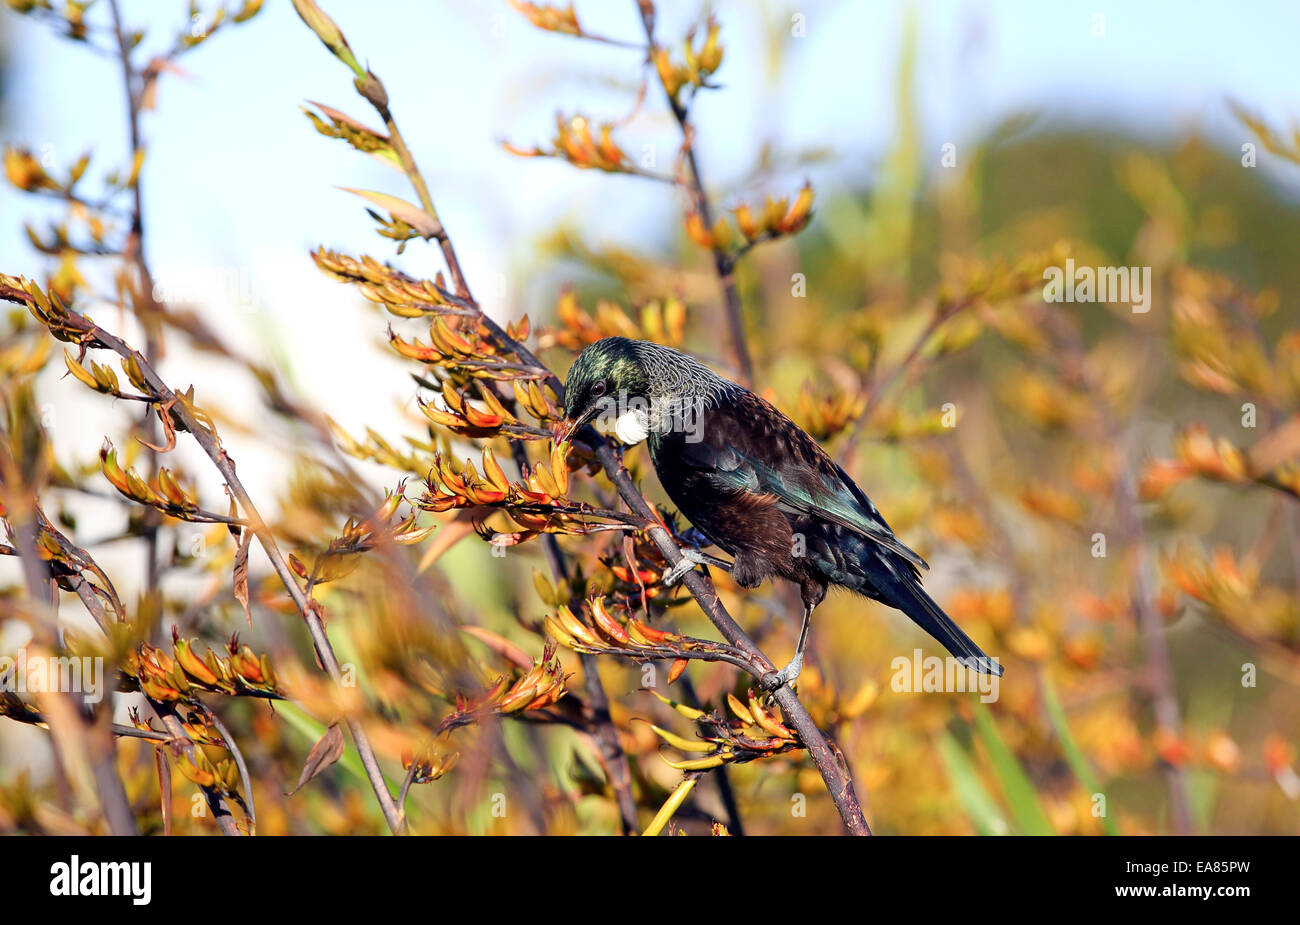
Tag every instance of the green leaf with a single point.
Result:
(1017, 789)
(1073, 754)
(980, 806)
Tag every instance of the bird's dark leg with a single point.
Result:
(790, 672)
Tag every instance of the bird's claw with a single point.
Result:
(690, 559)
(775, 680)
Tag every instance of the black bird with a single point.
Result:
(755, 485)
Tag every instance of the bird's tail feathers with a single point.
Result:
(911, 598)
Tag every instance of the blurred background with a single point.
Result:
(951, 146)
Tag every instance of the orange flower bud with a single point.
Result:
(696, 231)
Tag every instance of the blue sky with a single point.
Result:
(229, 146)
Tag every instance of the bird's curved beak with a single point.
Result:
(581, 422)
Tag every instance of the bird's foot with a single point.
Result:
(775, 680)
(690, 559)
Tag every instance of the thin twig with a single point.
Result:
(233, 747)
(406, 789)
(378, 98)
(133, 254)
(723, 263)
(131, 732)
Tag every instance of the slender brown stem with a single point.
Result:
(838, 780)
(134, 256)
(233, 747)
(94, 734)
(722, 262)
(380, 101)
(832, 769)
(130, 732)
(320, 640)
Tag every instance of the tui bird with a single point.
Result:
(755, 485)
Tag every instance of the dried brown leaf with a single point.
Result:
(241, 573)
(323, 754)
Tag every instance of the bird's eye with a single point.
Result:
(598, 388)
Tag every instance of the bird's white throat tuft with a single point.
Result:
(632, 426)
